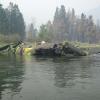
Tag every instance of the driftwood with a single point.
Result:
(70, 49)
(4, 47)
(9, 47)
(59, 50)
(46, 52)
(16, 44)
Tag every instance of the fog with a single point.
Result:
(40, 11)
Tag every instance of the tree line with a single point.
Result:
(66, 25)
(69, 26)
(11, 22)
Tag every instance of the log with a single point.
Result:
(4, 47)
(59, 50)
(70, 49)
(46, 52)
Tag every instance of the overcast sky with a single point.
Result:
(40, 11)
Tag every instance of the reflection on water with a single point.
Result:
(67, 71)
(23, 78)
(11, 74)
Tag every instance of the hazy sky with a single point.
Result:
(40, 11)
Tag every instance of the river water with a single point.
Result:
(31, 78)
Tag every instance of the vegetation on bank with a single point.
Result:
(28, 48)
(73, 46)
(84, 45)
(88, 48)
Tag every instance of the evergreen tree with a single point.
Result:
(16, 21)
(98, 31)
(91, 30)
(3, 21)
(59, 24)
(74, 28)
(32, 32)
(50, 31)
(56, 23)
(71, 24)
(43, 33)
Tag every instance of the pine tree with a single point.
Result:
(59, 24)
(16, 21)
(3, 21)
(32, 32)
(91, 30)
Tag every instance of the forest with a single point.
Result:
(12, 25)
(65, 26)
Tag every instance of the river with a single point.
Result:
(32, 78)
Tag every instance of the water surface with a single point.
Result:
(31, 78)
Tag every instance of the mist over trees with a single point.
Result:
(31, 33)
(69, 26)
(3, 21)
(66, 25)
(11, 22)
